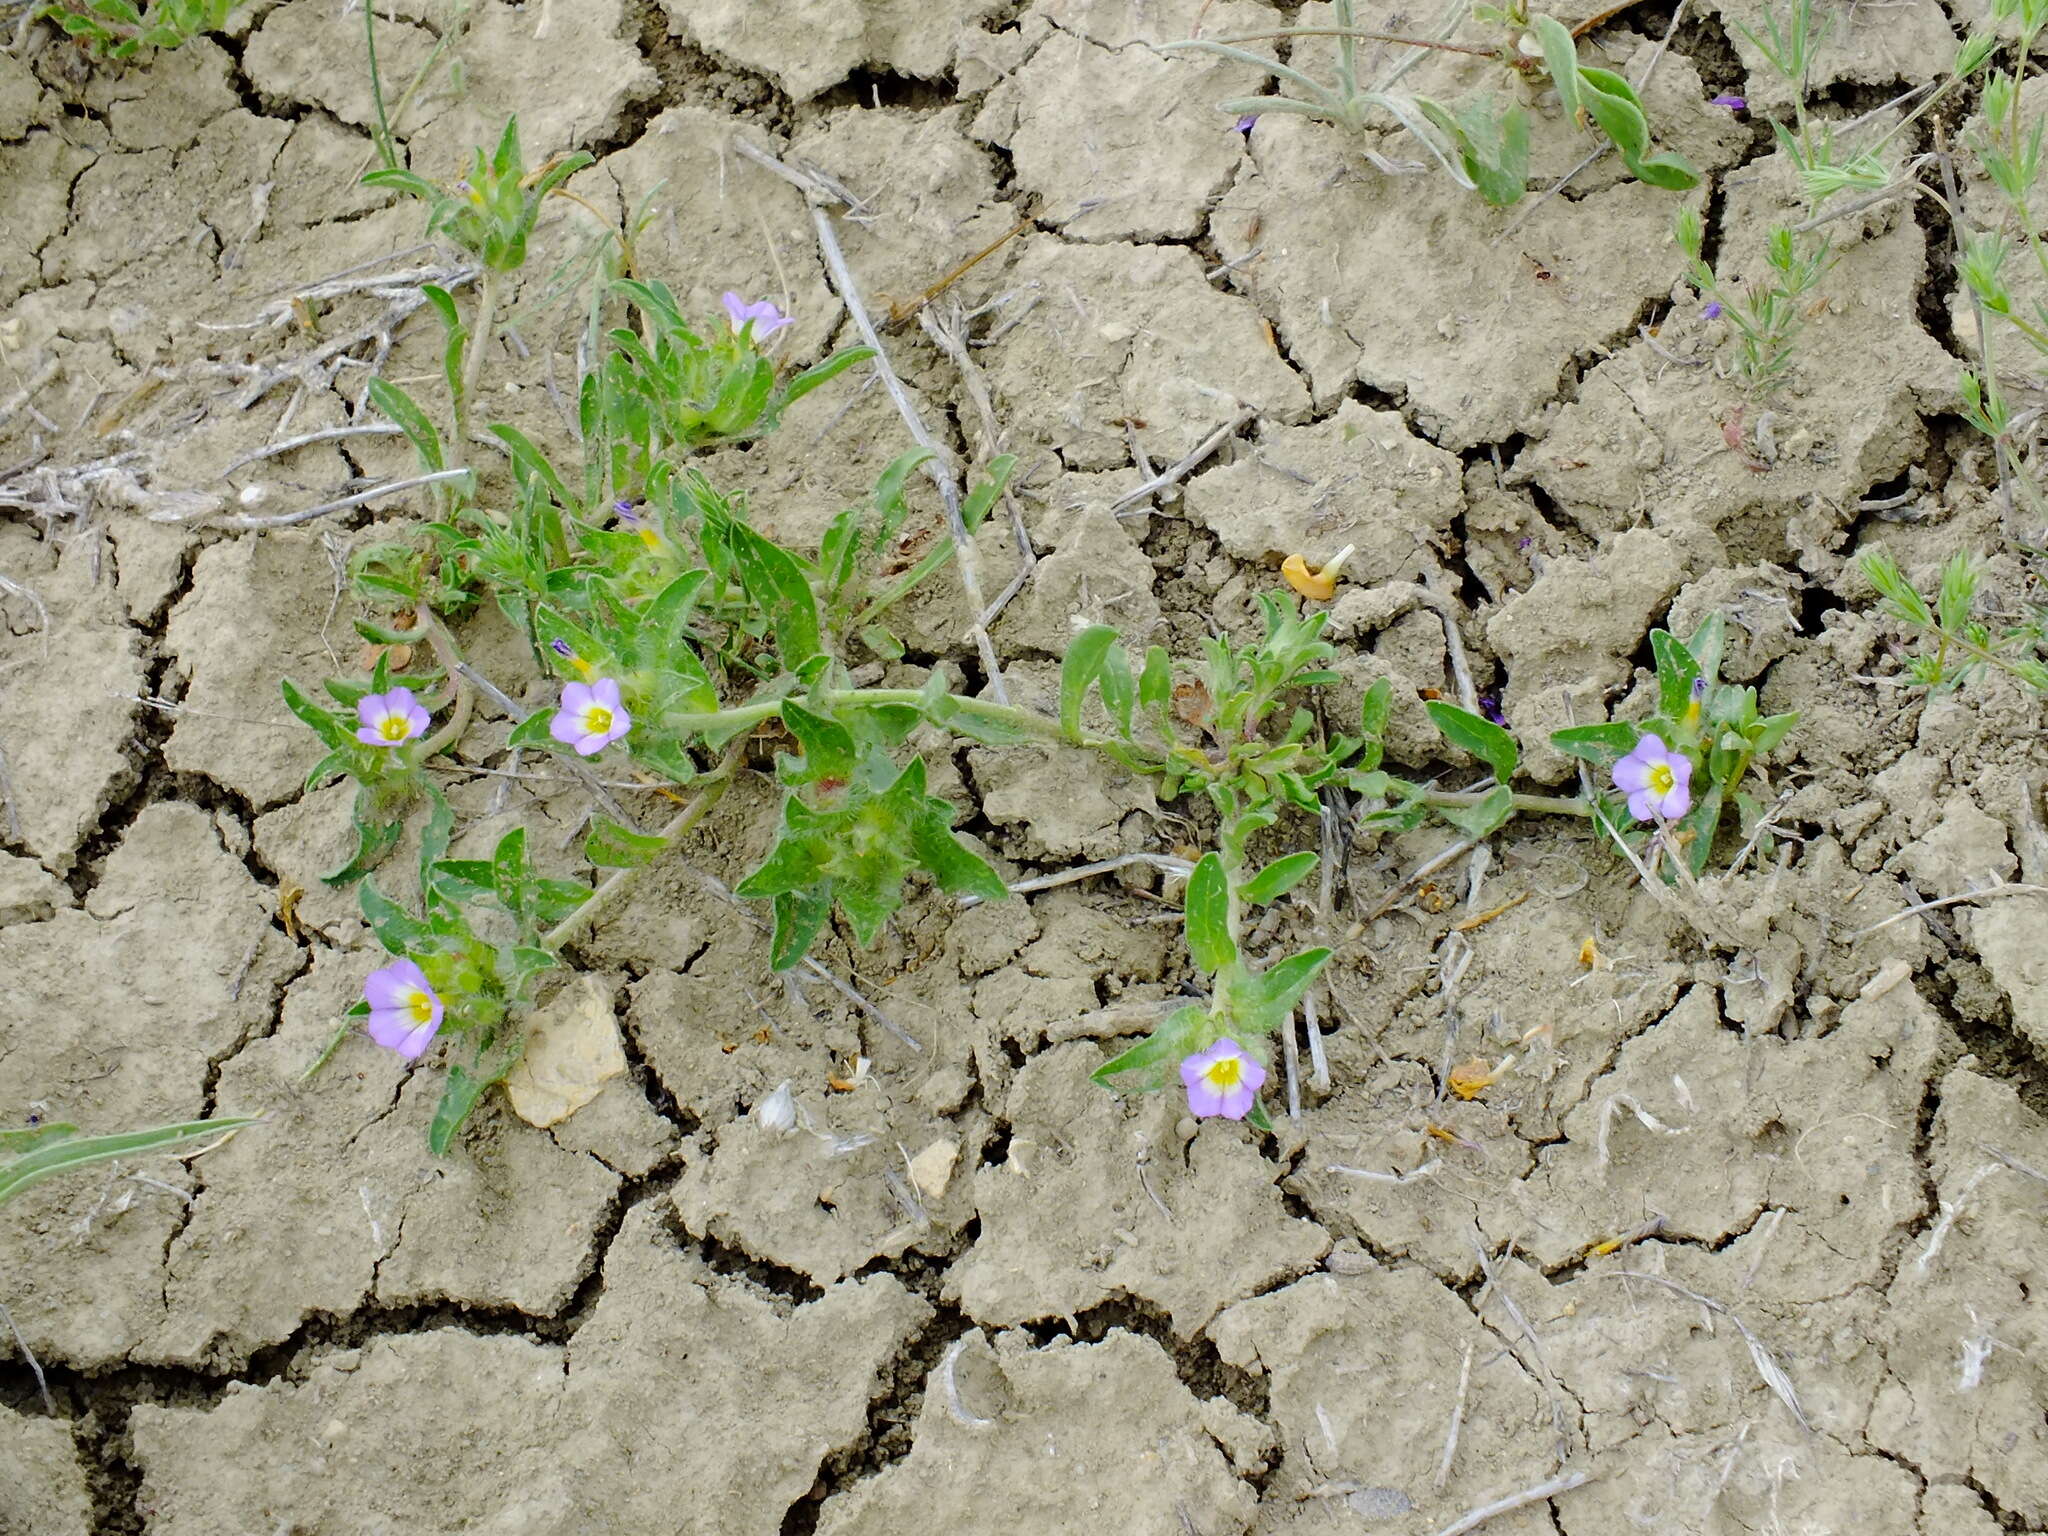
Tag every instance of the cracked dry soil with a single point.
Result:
(1826, 1144)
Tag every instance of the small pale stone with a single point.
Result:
(572, 1049)
(932, 1169)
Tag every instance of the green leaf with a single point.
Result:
(373, 841)
(1485, 818)
(990, 726)
(411, 420)
(882, 640)
(529, 462)
(612, 846)
(534, 731)
(827, 747)
(1958, 591)
(776, 582)
(1279, 987)
(1598, 744)
(1118, 691)
(1155, 684)
(956, 867)
(396, 929)
(459, 1095)
(1083, 664)
(1701, 823)
(1276, 879)
(1372, 715)
(798, 917)
(508, 870)
(1147, 1066)
(324, 723)
(975, 508)
(820, 373)
(1477, 735)
(1207, 915)
(434, 837)
(1561, 58)
(1676, 673)
(1707, 644)
(31, 1155)
(1772, 729)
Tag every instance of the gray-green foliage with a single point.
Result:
(1479, 143)
(1954, 644)
(37, 1152)
(120, 29)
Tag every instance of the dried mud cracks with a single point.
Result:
(1020, 1304)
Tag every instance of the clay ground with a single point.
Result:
(657, 1316)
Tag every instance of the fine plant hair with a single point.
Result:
(1479, 144)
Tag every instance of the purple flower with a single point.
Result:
(1244, 124)
(766, 317)
(404, 1012)
(560, 648)
(1732, 103)
(1657, 781)
(1713, 310)
(591, 717)
(386, 719)
(1222, 1080)
(1489, 706)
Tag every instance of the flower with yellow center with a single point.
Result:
(1222, 1080)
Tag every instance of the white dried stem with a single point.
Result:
(1768, 1368)
(1377, 1177)
(2009, 888)
(1644, 1118)
(949, 1378)
(1536, 1495)
(1443, 1469)
(936, 467)
(1178, 868)
(288, 519)
(1179, 471)
(1950, 1210)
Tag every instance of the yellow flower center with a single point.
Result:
(394, 727)
(1223, 1075)
(421, 1006)
(1661, 779)
(597, 720)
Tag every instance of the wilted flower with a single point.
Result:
(1489, 706)
(1222, 1080)
(1657, 781)
(1244, 124)
(591, 717)
(404, 1012)
(560, 648)
(387, 719)
(1732, 103)
(766, 317)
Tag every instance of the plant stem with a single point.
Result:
(710, 789)
(473, 357)
(1554, 805)
(465, 696)
(745, 716)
